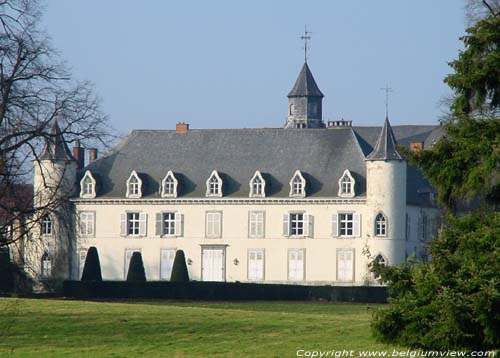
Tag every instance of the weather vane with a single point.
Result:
(305, 37)
(387, 90)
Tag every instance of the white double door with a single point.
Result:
(345, 265)
(213, 264)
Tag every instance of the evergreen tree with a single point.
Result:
(92, 267)
(136, 271)
(179, 270)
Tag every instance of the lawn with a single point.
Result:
(63, 328)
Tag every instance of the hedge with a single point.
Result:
(221, 291)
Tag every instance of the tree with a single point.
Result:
(179, 269)
(136, 271)
(36, 88)
(92, 267)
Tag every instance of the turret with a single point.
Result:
(386, 194)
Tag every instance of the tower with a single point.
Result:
(386, 194)
(305, 102)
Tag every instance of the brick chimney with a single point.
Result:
(92, 154)
(79, 154)
(416, 146)
(182, 127)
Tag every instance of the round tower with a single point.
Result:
(386, 194)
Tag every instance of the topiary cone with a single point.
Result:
(136, 271)
(179, 270)
(92, 267)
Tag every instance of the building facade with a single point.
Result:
(310, 203)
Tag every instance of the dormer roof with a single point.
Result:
(305, 85)
(386, 146)
(55, 147)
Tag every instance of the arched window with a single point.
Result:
(169, 185)
(380, 259)
(380, 225)
(298, 185)
(46, 265)
(87, 186)
(257, 186)
(134, 186)
(346, 185)
(214, 185)
(290, 109)
(46, 225)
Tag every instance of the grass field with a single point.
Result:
(58, 328)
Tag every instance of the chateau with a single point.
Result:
(311, 203)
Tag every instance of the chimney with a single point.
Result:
(79, 154)
(182, 127)
(92, 154)
(416, 146)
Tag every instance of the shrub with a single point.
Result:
(179, 269)
(7, 269)
(136, 271)
(92, 267)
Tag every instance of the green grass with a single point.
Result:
(58, 328)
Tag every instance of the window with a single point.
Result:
(46, 225)
(346, 185)
(82, 256)
(169, 224)
(213, 224)
(382, 261)
(256, 224)
(256, 264)
(313, 107)
(380, 225)
(133, 224)
(408, 227)
(86, 223)
(423, 234)
(298, 225)
(290, 110)
(296, 263)
(169, 185)
(128, 257)
(134, 186)
(166, 263)
(345, 265)
(214, 185)
(298, 185)
(257, 186)
(87, 186)
(46, 268)
(346, 225)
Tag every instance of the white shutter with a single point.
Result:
(335, 225)
(123, 224)
(159, 224)
(260, 265)
(310, 227)
(356, 218)
(82, 256)
(286, 225)
(143, 224)
(128, 256)
(178, 224)
(166, 264)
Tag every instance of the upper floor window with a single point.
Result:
(46, 225)
(169, 224)
(256, 224)
(214, 185)
(133, 224)
(298, 185)
(213, 224)
(46, 265)
(290, 109)
(298, 224)
(346, 185)
(346, 225)
(86, 223)
(380, 225)
(257, 186)
(134, 186)
(169, 185)
(87, 186)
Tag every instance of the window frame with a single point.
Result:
(256, 279)
(297, 176)
(251, 222)
(207, 221)
(86, 234)
(381, 224)
(303, 251)
(353, 251)
(340, 214)
(352, 181)
(130, 221)
(214, 176)
(253, 194)
(46, 222)
(130, 194)
(162, 250)
(174, 183)
(83, 186)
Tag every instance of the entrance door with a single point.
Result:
(213, 260)
(345, 265)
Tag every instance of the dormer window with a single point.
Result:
(298, 185)
(214, 185)
(346, 185)
(87, 186)
(169, 185)
(257, 186)
(134, 186)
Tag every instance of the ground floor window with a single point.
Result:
(256, 264)
(46, 269)
(345, 265)
(167, 257)
(296, 264)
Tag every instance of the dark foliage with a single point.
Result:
(92, 267)
(7, 270)
(136, 271)
(179, 269)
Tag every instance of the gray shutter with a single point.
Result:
(310, 232)
(123, 224)
(356, 218)
(286, 225)
(143, 224)
(335, 225)
(179, 221)
(159, 224)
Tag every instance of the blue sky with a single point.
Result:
(230, 64)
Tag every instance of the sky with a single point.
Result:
(230, 64)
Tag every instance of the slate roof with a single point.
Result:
(385, 148)
(55, 147)
(305, 85)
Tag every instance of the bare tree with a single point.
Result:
(36, 90)
(476, 10)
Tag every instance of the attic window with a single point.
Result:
(87, 186)
(169, 185)
(134, 186)
(298, 185)
(214, 185)
(346, 185)
(257, 186)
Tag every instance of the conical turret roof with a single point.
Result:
(305, 85)
(55, 147)
(386, 146)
